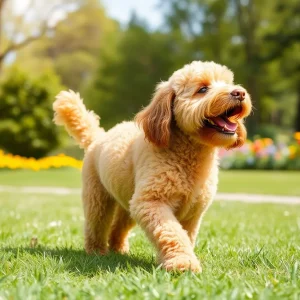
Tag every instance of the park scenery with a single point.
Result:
(114, 54)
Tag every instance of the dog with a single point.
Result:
(160, 170)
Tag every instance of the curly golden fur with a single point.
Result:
(160, 170)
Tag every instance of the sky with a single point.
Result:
(120, 10)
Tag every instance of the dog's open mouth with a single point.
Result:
(225, 123)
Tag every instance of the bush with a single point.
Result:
(26, 126)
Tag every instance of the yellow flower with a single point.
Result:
(267, 141)
(17, 162)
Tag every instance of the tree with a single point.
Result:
(285, 40)
(128, 73)
(233, 33)
(26, 126)
(73, 48)
(253, 19)
(16, 32)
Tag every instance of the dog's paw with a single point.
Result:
(97, 251)
(183, 262)
(120, 248)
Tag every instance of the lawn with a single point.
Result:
(54, 177)
(259, 182)
(248, 251)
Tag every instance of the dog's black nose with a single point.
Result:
(238, 94)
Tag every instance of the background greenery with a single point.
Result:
(116, 67)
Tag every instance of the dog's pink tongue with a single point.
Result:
(223, 121)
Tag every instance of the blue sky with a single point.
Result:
(118, 9)
(147, 9)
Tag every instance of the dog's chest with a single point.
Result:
(198, 187)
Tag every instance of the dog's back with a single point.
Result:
(111, 153)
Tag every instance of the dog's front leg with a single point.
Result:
(175, 251)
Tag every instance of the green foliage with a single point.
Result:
(284, 38)
(116, 69)
(268, 131)
(127, 75)
(73, 48)
(239, 34)
(258, 40)
(77, 42)
(26, 126)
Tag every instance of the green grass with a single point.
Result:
(55, 177)
(248, 251)
(259, 182)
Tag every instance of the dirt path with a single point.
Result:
(257, 198)
(250, 198)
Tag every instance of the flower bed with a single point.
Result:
(9, 161)
(263, 153)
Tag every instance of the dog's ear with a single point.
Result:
(156, 118)
(242, 135)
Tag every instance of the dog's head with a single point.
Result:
(203, 102)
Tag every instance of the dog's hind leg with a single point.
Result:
(192, 227)
(98, 211)
(119, 234)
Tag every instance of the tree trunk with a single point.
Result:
(1, 13)
(1, 28)
(254, 119)
(297, 121)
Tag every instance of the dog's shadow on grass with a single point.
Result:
(77, 261)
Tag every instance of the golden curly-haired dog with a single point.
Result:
(161, 170)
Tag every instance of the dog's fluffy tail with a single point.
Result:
(81, 124)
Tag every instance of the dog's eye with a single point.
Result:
(203, 90)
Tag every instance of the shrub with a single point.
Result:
(26, 126)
